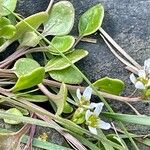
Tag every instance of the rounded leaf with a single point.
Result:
(13, 111)
(59, 63)
(24, 66)
(68, 75)
(8, 31)
(4, 21)
(109, 85)
(35, 21)
(35, 98)
(61, 19)
(62, 43)
(67, 108)
(2, 41)
(91, 20)
(30, 39)
(10, 4)
(29, 80)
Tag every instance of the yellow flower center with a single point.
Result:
(84, 102)
(143, 80)
(93, 121)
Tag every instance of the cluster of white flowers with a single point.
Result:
(93, 111)
(142, 82)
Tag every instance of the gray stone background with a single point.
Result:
(127, 21)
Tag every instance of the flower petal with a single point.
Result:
(88, 114)
(92, 130)
(98, 109)
(133, 78)
(78, 94)
(93, 105)
(142, 73)
(147, 63)
(104, 125)
(139, 85)
(87, 93)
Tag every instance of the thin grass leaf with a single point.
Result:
(136, 119)
(44, 144)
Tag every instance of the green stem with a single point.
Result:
(5, 45)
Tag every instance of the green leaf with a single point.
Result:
(44, 144)
(79, 116)
(86, 142)
(29, 120)
(25, 112)
(91, 20)
(35, 21)
(119, 140)
(29, 80)
(136, 119)
(67, 108)
(2, 41)
(62, 43)
(61, 19)
(60, 99)
(34, 98)
(68, 75)
(30, 39)
(10, 4)
(24, 66)
(4, 21)
(8, 31)
(105, 145)
(59, 63)
(146, 141)
(109, 85)
(13, 111)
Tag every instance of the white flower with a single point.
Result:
(86, 94)
(147, 66)
(143, 80)
(93, 121)
(84, 100)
